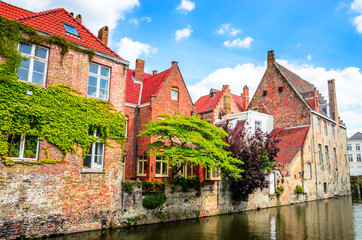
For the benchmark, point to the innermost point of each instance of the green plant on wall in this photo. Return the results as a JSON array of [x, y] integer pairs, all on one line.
[[189, 182], [154, 201], [299, 189], [279, 190]]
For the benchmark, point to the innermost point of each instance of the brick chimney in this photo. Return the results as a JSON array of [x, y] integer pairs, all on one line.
[[79, 18], [174, 63], [245, 96], [139, 72], [154, 72], [271, 57], [71, 13], [103, 34], [333, 110]]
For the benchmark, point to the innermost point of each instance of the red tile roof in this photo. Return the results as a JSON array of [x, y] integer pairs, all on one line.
[[51, 22], [291, 141], [151, 86]]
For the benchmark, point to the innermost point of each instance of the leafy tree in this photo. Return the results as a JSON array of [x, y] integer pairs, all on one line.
[[258, 152], [185, 140]]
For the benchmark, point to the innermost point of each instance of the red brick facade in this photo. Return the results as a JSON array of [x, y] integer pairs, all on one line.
[[155, 100]]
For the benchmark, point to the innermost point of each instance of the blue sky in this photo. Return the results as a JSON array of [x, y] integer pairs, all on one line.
[[226, 42]]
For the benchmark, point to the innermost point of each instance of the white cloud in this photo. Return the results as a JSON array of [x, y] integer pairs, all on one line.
[[137, 21], [348, 85], [186, 6], [183, 33], [356, 6], [146, 19], [245, 43], [226, 29], [95, 14], [309, 57], [131, 50]]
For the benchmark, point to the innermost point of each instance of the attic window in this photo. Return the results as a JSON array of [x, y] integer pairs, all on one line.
[[70, 29], [174, 93], [212, 93], [280, 89], [264, 93], [208, 107]]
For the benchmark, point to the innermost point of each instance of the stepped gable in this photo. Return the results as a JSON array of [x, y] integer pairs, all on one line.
[[356, 136], [291, 141], [51, 22]]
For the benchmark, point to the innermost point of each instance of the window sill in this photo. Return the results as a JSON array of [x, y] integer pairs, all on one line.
[[104, 100], [91, 172], [141, 175], [161, 176], [23, 160]]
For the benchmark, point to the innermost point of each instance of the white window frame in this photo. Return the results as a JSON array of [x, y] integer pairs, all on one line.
[[31, 58], [163, 165], [22, 149], [126, 129], [309, 170], [175, 93], [212, 174], [98, 76], [358, 157], [94, 167], [258, 125], [349, 147], [186, 170], [142, 162], [350, 157], [358, 147]]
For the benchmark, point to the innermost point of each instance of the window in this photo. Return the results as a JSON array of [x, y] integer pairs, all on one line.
[[325, 187], [34, 65], [23, 147], [350, 157], [335, 157], [264, 93], [358, 147], [124, 157], [349, 147], [142, 165], [161, 167], [309, 170], [358, 157], [319, 125], [192, 113], [98, 81], [70, 29], [327, 155], [257, 125], [280, 89], [320, 154], [212, 174], [174, 93], [126, 129], [325, 127], [94, 159], [187, 170]]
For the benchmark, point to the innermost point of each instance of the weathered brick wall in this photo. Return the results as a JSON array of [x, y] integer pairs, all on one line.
[[287, 108]]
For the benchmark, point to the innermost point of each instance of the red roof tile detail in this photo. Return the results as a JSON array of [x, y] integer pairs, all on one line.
[[51, 22], [291, 141], [151, 86], [12, 12]]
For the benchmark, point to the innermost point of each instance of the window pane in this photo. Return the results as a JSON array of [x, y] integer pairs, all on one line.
[[87, 163], [14, 146], [92, 91], [23, 74], [70, 29], [103, 83], [99, 149], [30, 147], [25, 63], [140, 167], [158, 168], [92, 81], [41, 52], [105, 71], [98, 162], [93, 68], [25, 48], [39, 66], [37, 78], [103, 94], [164, 169]]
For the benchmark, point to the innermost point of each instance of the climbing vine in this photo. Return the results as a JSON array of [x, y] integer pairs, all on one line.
[[58, 114], [12, 32]]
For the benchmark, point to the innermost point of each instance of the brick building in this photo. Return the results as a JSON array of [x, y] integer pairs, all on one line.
[[147, 97], [78, 196], [216, 102], [314, 151]]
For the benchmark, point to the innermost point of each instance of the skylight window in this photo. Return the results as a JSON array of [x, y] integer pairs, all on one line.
[[70, 29]]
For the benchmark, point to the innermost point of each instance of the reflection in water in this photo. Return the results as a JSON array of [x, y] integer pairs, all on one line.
[[339, 218]]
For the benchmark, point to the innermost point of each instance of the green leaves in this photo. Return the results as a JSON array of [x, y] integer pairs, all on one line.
[[183, 139], [57, 114]]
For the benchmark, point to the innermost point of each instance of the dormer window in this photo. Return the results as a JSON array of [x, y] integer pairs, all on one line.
[[208, 107], [70, 29], [212, 93], [264, 93]]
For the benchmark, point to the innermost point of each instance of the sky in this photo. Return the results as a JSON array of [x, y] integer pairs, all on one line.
[[226, 42]]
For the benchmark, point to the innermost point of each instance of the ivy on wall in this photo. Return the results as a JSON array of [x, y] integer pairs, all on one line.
[[58, 113]]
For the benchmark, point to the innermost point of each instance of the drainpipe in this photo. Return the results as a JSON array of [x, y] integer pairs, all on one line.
[[137, 109], [315, 162]]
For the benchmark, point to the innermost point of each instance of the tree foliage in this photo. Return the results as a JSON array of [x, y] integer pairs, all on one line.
[[258, 152], [185, 140]]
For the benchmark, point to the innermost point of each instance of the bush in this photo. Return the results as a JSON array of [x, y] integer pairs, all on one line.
[[279, 191], [150, 186], [154, 201], [127, 186], [189, 182], [299, 189]]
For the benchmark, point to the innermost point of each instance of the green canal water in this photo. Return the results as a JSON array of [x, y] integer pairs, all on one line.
[[338, 218]]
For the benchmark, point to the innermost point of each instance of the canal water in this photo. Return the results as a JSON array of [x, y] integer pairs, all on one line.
[[338, 218]]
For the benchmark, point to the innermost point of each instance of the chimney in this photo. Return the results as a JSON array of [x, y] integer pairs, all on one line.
[[271, 57], [174, 63], [79, 18], [71, 13], [103, 34], [226, 98], [139, 72], [333, 111], [245, 95], [154, 72]]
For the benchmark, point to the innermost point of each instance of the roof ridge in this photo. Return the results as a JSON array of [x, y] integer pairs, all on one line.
[[16, 6], [38, 14]]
